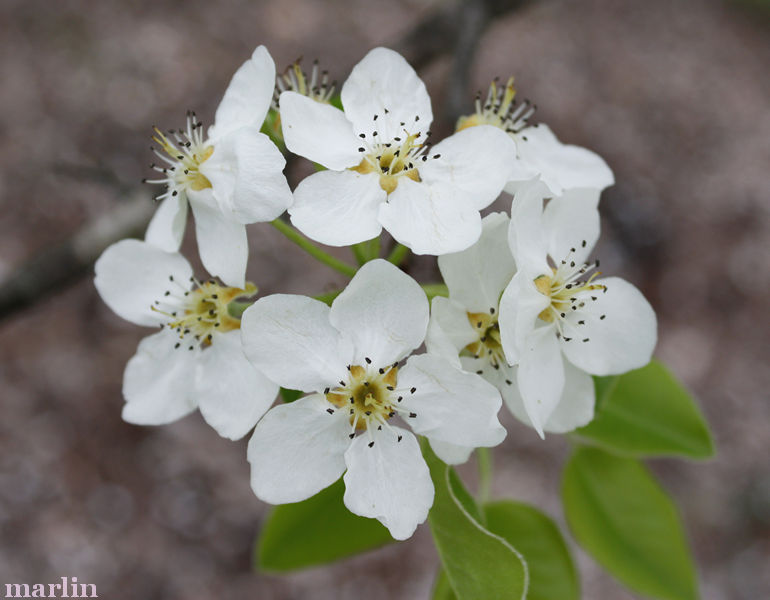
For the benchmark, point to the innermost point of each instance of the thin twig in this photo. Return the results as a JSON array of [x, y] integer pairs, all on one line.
[[474, 14], [61, 264]]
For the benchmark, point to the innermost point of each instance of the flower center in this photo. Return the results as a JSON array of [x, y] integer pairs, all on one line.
[[294, 79], [499, 109], [488, 345], [182, 152], [568, 292], [197, 313], [393, 156], [370, 396]]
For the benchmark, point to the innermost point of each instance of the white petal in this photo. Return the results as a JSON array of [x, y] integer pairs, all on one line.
[[451, 454], [297, 450], [383, 311], [389, 481], [526, 236], [476, 161], [246, 172], [569, 220], [248, 96], [158, 383], [319, 132], [561, 166], [541, 375], [232, 394], [430, 219], [575, 407], [166, 229], [623, 340], [450, 404], [481, 366], [131, 275], [522, 173], [338, 208], [384, 80], [290, 340], [477, 276], [222, 241], [449, 330], [520, 305]]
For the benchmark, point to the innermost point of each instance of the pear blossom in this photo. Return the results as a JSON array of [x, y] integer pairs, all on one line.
[[558, 322], [380, 171], [560, 166], [230, 177], [464, 327], [196, 359], [347, 358]]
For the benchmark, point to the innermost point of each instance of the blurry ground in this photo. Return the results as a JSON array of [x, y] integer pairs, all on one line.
[[676, 97]]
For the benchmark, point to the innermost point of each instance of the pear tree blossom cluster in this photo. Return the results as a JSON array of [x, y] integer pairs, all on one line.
[[525, 320]]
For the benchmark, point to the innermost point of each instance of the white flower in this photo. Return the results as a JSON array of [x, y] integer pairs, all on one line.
[[558, 323], [560, 166], [346, 357], [381, 173], [196, 359], [231, 177], [466, 324]]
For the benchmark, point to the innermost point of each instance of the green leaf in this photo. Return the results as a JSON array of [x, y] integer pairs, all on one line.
[[622, 517], [316, 531], [288, 395], [442, 589], [551, 571], [647, 413], [478, 563]]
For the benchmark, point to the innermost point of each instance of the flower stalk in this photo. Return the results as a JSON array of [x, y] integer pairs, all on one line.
[[313, 250], [398, 254]]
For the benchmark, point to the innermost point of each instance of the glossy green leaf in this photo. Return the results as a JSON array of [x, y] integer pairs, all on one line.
[[647, 413], [551, 570], [316, 531], [442, 589], [622, 517], [478, 563]]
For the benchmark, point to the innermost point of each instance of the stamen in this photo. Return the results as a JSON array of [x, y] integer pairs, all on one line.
[[370, 394], [183, 152], [317, 87], [197, 309], [500, 110]]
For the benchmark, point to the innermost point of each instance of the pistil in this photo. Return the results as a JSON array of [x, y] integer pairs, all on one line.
[[199, 312], [370, 396]]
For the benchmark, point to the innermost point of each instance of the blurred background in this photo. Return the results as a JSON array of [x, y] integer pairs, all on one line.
[[674, 95]]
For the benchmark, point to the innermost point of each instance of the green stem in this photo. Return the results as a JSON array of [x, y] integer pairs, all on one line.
[[328, 297], [434, 289], [313, 250], [366, 251], [484, 457], [398, 254]]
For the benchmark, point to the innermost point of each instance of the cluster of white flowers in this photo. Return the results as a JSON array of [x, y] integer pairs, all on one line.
[[527, 319]]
